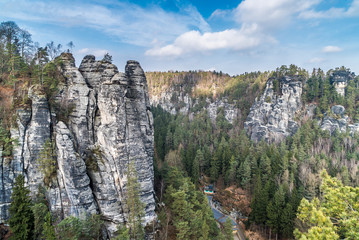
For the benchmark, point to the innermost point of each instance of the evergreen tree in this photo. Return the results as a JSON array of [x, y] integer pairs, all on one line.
[[47, 161], [265, 166], [204, 230], [196, 166], [107, 58], [215, 168], [21, 217], [245, 170], [259, 202], [40, 211], [232, 171], [48, 229], [134, 205], [275, 211], [287, 220], [73, 228], [122, 233], [227, 227]]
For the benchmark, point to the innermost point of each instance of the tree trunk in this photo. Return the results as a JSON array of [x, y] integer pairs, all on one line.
[[270, 233]]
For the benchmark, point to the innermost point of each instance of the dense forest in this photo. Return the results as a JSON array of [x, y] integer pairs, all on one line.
[[276, 176]]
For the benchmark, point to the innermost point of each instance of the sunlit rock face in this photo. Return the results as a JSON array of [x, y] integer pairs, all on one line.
[[337, 120], [108, 124], [272, 116]]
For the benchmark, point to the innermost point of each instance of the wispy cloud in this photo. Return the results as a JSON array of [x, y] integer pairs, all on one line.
[[333, 12], [331, 49], [126, 21], [271, 15]]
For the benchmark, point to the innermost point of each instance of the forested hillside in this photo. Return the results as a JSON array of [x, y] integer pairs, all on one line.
[[276, 176]]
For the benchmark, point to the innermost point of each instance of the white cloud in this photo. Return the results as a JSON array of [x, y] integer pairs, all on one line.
[[194, 41], [256, 19], [333, 12], [126, 21], [271, 15], [331, 49], [98, 53]]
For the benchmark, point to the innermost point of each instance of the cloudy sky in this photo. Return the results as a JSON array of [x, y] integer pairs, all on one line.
[[227, 35]]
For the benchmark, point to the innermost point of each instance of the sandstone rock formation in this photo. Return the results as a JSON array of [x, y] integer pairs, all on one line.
[[186, 104], [108, 124], [340, 79], [336, 120], [271, 117]]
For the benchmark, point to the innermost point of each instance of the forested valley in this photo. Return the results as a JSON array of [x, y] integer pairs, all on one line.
[[277, 177], [303, 186]]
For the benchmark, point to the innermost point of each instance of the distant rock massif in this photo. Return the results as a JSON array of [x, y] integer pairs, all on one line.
[[166, 101], [107, 124], [274, 115], [176, 93]]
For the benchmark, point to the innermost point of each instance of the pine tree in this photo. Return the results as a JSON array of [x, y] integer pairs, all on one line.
[[275, 211], [287, 220], [232, 171], [204, 230], [215, 168], [259, 202], [48, 229], [47, 161], [134, 205], [228, 232], [245, 171], [122, 233], [39, 210], [21, 217], [265, 166], [196, 164]]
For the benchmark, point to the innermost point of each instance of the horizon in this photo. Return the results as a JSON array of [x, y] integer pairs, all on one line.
[[175, 35]]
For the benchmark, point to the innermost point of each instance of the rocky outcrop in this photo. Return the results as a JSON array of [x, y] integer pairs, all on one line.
[[336, 120], [271, 117], [175, 102], [340, 80], [230, 110], [105, 125]]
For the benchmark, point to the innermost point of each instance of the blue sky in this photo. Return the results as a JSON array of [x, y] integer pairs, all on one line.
[[229, 36]]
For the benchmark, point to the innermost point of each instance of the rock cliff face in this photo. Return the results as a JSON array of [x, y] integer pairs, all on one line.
[[107, 124], [271, 117], [338, 121], [179, 102]]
